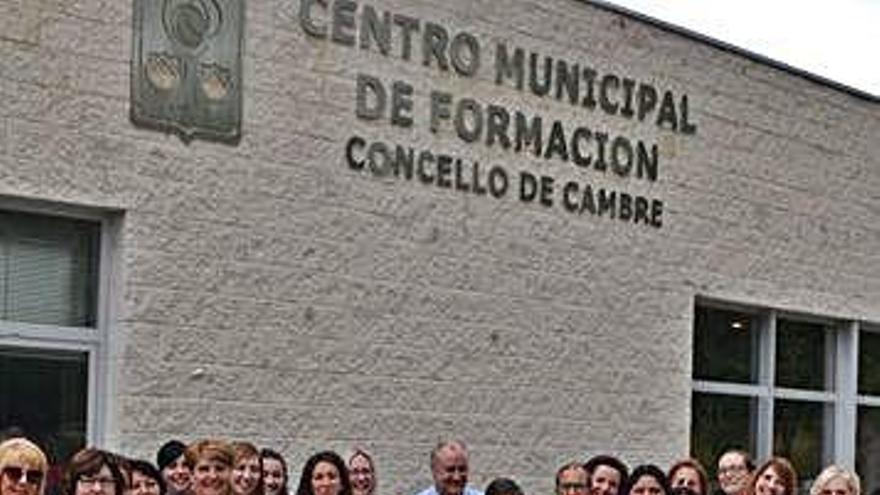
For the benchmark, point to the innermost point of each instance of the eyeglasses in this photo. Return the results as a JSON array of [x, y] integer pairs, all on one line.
[[572, 487], [85, 481], [30, 476], [731, 469]]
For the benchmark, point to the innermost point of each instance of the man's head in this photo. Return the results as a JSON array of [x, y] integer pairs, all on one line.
[[572, 479], [607, 474], [449, 466], [734, 468]]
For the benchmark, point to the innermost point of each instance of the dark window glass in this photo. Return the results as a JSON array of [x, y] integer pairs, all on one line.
[[800, 355], [725, 344], [43, 394], [48, 269], [719, 423], [868, 449], [869, 362], [799, 435]]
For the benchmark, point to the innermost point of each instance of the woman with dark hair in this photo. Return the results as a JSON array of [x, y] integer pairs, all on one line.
[[362, 473], [324, 473], [146, 479], [93, 472], [775, 477], [247, 474], [647, 479], [503, 486], [274, 472], [171, 462]]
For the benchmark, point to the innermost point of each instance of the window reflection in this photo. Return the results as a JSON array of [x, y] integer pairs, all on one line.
[[719, 423], [725, 344], [799, 435], [800, 355]]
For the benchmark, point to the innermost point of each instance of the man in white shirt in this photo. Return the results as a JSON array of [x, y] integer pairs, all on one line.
[[449, 467]]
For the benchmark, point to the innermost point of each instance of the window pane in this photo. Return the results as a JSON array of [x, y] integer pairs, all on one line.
[[725, 344], [868, 448], [719, 423], [799, 434], [44, 394], [869, 363], [800, 355], [49, 269]]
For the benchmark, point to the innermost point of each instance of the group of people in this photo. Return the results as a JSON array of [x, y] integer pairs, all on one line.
[[215, 467]]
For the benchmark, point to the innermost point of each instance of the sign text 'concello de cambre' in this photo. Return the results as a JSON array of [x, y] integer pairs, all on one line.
[[461, 54]]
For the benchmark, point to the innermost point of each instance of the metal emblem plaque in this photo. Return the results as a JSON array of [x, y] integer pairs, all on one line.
[[186, 67]]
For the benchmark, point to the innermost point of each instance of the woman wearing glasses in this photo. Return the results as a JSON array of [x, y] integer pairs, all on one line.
[[93, 472], [22, 468]]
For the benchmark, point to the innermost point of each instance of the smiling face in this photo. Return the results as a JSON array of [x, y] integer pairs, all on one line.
[[211, 477], [325, 479], [770, 482], [450, 470], [363, 479], [178, 476], [687, 477], [733, 473], [573, 481], [20, 478], [646, 485], [246, 475], [605, 480], [100, 483], [273, 475], [142, 484]]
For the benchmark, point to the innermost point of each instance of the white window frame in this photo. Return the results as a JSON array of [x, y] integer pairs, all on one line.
[[840, 441], [95, 342]]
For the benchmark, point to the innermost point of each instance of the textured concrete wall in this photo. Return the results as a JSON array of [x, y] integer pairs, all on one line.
[[267, 292]]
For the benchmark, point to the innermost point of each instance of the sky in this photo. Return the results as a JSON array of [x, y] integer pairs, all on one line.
[[836, 39]]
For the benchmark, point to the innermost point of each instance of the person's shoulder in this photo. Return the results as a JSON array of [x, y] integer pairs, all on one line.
[[469, 490], [431, 490]]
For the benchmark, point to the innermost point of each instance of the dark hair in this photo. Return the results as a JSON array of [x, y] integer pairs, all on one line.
[[610, 461], [271, 454], [169, 452], [305, 479], [88, 462], [784, 469], [503, 486], [647, 470], [147, 469]]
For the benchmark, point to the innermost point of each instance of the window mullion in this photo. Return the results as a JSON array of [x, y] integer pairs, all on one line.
[[845, 408], [766, 377]]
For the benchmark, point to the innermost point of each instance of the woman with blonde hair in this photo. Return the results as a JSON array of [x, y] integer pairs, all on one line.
[[836, 480], [23, 468]]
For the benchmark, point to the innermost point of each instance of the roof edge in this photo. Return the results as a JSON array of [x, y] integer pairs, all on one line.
[[730, 48]]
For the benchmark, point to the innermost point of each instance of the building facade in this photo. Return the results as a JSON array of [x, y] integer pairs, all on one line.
[[549, 229]]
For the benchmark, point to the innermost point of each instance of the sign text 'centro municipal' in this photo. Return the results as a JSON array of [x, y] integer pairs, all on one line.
[[461, 55]]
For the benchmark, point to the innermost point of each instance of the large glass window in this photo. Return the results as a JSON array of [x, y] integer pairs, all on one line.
[[868, 422], [774, 383], [49, 328]]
